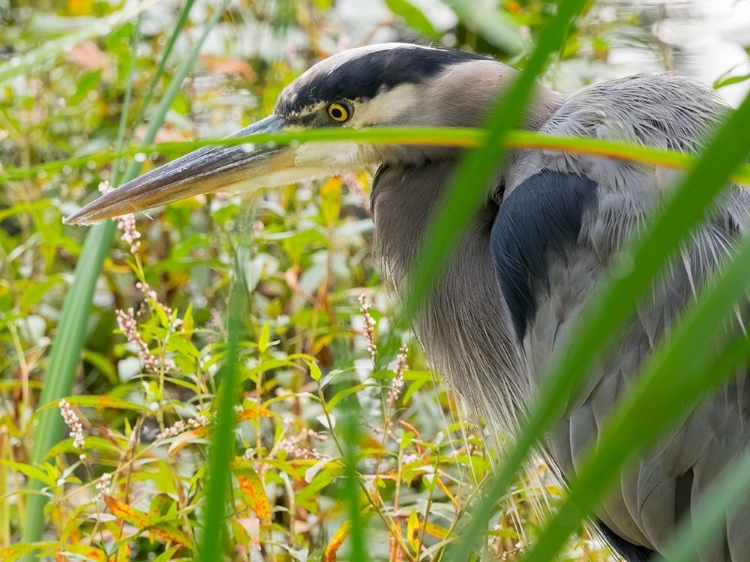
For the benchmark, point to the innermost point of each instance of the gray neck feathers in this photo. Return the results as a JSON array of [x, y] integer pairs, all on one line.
[[464, 327]]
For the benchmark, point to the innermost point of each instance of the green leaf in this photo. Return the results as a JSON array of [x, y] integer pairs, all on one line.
[[414, 17], [30, 472], [490, 22], [265, 337], [98, 402], [315, 372]]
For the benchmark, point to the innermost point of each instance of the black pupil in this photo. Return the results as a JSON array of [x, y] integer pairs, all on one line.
[[336, 113]]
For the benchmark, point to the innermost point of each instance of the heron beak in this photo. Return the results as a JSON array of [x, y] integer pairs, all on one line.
[[204, 171]]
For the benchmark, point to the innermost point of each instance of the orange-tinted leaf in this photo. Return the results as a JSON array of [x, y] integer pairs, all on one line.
[[447, 492], [187, 438], [144, 521], [254, 412], [228, 65], [254, 492], [435, 530], [329, 555], [79, 550], [17, 550]]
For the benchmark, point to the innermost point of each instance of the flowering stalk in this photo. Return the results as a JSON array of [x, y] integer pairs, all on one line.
[[398, 382], [369, 328], [74, 424]]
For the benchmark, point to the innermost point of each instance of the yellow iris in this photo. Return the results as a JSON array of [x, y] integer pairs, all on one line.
[[337, 112]]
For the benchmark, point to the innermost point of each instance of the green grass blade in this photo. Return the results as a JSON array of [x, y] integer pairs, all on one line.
[[351, 435], [604, 316], [222, 450], [442, 136], [122, 129], [680, 372], [181, 21], [67, 345], [50, 50]]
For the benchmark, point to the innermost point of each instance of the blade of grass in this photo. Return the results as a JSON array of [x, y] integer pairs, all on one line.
[[222, 450], [445, 136], [598, 323], [122, 129], [69, 341], [679, 373], [357, 537], [50, 50], [181, 21]]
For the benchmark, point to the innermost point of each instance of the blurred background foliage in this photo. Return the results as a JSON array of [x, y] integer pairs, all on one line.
[[317, 298]]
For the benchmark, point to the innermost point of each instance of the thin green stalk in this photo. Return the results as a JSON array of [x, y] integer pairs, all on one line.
[[181, 21], [222, 450], [70, 338], [357, 537], [438, 136]]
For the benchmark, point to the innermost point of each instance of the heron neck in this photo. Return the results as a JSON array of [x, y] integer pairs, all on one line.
[[464, 327]]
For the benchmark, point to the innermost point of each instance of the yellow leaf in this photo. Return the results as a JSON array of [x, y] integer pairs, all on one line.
[[80, 7], [329, 555], [435, 530], [188, 324], [362, 177], [265, 337], [412, 530], [330, 204]]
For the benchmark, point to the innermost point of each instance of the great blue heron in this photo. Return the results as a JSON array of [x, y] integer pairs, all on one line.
[[545, 234]]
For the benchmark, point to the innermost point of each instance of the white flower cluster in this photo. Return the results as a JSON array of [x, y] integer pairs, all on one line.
[[370, 322], [292, 445], [149, 293], [398, 382], [182, 425], [126, 223], [127, 323], [75, 426], [104, 485]]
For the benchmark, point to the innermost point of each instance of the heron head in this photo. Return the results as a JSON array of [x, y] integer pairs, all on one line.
[[391, 84]]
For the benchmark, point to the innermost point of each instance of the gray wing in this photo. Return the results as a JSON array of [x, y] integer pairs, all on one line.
[[562, 219]]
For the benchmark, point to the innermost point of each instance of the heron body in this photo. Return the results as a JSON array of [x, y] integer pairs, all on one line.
[[546, 236]]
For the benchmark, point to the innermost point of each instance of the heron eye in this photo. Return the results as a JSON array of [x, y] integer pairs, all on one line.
[[338, 112]]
